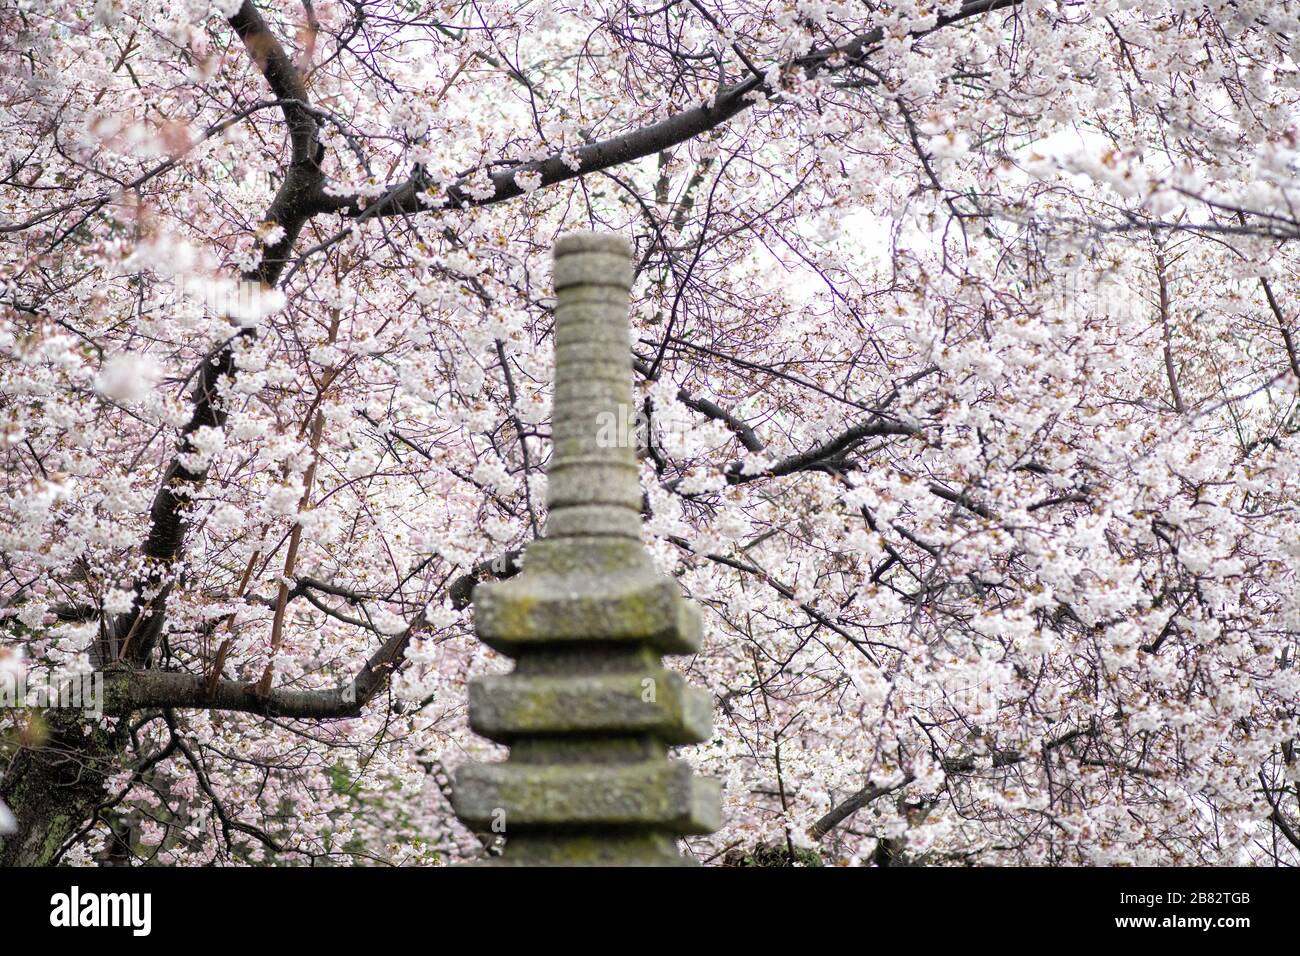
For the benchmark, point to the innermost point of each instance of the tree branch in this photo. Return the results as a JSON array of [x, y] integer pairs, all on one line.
[[416, 194], [134, 635], [130, 690], [1000, 758]]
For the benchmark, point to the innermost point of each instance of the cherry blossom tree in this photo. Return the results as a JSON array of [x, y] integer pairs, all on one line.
[[965, 346]]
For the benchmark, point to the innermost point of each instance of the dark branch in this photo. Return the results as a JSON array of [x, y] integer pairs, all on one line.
[[135, 634], [418, 193]]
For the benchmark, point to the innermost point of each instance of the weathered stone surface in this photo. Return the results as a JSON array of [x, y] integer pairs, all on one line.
[[586, 590], [592, 259], [608, 847], [665, 795], [589, 711], [655, 702]]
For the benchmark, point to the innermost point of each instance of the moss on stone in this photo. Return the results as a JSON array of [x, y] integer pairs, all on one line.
[[769, 855]]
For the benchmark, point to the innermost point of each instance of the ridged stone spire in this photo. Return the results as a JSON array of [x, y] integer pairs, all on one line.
[[589, 711]]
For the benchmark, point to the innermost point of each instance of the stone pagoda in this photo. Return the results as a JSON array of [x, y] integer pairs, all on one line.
[[589, 712]]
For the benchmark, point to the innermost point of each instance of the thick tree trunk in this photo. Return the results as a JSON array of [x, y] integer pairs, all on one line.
[[55, 789]]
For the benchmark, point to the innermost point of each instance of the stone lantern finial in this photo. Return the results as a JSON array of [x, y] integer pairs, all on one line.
[[589, 711]]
